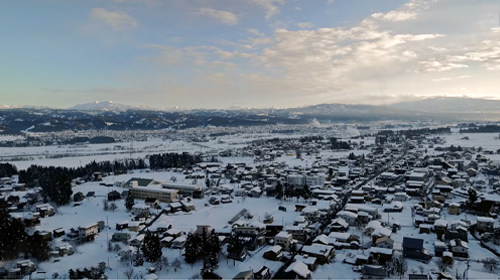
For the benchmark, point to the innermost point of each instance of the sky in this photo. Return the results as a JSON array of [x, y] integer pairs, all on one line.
[[246, 53]]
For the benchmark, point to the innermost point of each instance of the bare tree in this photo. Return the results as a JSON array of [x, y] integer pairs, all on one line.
[[105, 206], [129, 272], [113, 206], [421, 268], [176, 264], [117, 248], [442, 265], [491, 264], [400, 266]]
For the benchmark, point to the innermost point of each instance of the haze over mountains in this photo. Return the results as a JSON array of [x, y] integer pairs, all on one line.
[[115, 116]]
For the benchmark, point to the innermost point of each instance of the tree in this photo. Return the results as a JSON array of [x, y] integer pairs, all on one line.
[[442, 265], [176, 265], [161, 263], [191, 249], [105, 205], [137, 258], [129, 272], [113, 206], [151, 247], [38, 247], [491, 264], [400, 266], [213, 250], [56, 185], [129, 201], [472, 197], [13, 234]]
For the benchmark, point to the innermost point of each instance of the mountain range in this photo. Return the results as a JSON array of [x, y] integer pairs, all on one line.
[[115, 116]]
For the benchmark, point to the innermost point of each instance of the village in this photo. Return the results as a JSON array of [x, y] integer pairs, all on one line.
[[380, 206]]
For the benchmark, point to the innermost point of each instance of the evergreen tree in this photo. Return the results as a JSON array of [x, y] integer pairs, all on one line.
[[13, 234], [151, 247], [191, 249], [39, 247], [214, 248], [129, 201]]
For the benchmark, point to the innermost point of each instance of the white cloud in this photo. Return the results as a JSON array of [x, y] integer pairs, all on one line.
[[305, 25], [222, 16], [297, 8], [441, 79], [270, 6], [256, 32], [395, 16], [330, 1], [438, 66], [117, 20]]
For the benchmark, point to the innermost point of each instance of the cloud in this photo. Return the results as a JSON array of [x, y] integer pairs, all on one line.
[[222, 16], [117, 20], [270, 6], [150, 3], [297, 8], [330, 1], [441, 79], [395, 16], [256, 32], [305, 25], [438, 66]]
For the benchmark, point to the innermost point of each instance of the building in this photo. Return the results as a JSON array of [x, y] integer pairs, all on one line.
[[298, 270], [485, 224], [163, 195], [454, 208], [140, 210], [283, 239], [414, 248], [140, 182], [274, 254], [88, 233], [296, 180], [194, 191], [323, 253]]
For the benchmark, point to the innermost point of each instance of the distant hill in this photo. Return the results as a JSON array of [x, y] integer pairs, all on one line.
[[114, 116]]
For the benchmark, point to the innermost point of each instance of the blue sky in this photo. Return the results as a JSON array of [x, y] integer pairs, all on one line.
[[247, 53]]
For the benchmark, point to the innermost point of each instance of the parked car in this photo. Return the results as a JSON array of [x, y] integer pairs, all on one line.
[[214, 200], [226, 199]]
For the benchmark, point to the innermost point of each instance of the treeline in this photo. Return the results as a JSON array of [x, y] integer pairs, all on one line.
[[490, 128], [7, 170], [14, 239], [173, 160], [339, 145], [311, 138], [93, 140], [416, 132]]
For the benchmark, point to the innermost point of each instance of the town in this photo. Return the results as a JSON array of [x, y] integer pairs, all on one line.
[[316, 204]]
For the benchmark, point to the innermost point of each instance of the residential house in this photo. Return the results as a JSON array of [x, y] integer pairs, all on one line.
[[114, 195], [79, 196], [283, 239], [187, 205], [373, 272], [179, 242], [299, 233], [298, 270], [262, 273], [88, 233], [454, 208], [485, 224], [244, 275], [134, 226], [203, 228], [349, 217], [414, 248], [152, 202], [166, 241], [137, 241], [459, 248], [65, 250], [310, 261], [439, 248], [45, 210], [384, 242], [121, 236], [323, 253], [339, 225], [382, 255], [311, 213], [275, 253], [239, 253], [447, 257], [58, 232], [380, 232], [122, 225]]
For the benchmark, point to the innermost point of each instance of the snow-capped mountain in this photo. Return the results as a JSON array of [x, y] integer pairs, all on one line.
[[101, 106]]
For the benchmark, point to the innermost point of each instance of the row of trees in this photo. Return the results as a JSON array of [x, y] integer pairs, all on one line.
[[172, 160], [490, 128], [14, 239], [206, 247], [339, 145]]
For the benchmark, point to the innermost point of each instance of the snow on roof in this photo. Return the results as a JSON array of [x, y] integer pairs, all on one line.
[[441, 223], [382, 232], [341, 236], [309, 209], [283, 234], [485, 220], [440, 244], [347, 214], [340, 221], [276, 249], [308, 260], [180, 239], [167, 239], [317, 249], [447, 254], [377, 250], [373, 225], [300, 268]]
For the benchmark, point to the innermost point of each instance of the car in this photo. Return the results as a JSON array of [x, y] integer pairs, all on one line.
[[226, 199], [214, 200]]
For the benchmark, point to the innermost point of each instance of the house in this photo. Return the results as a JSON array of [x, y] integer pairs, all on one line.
[[357, 260], [311, 262], [262, 273], [447, 257], [323, 253], [311, 213], [114, 195], [45, 210], [203, 228], [299, 233], [239, 253], [187, 205], [58, 232], [133, 226], [372, 226], [425, 228], [439, 248], [440, 227], [283, 239], [65, 250], [395, 206], [137, 241], [88, 233], [454, 208], [152, 202], [298, 270], [349, 217], [179, 242], [414, 248], [90, 194], [338, 225], [373, 272], [176, 233], [382, 255], [121, 236], [140, 210], [77, 197], [244, 275], [485, 224], [384, 242], [275, 253], [380, 232], [459, 248], [211, 275], [166, 241]]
